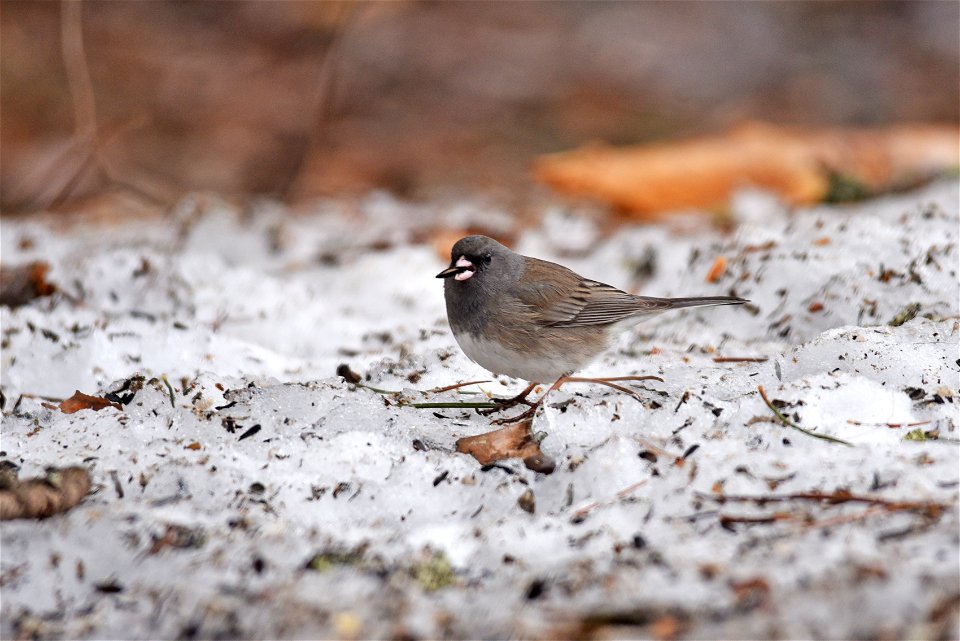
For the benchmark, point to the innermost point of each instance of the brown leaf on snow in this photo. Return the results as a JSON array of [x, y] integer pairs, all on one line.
[[717, 270], [513, 441], [20, 285], [80, 401], [38, 498], [798, 164], [750, 593]]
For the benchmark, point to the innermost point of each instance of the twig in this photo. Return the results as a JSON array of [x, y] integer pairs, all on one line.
[[580, 513], [173, 402], [726, 520], [740, 359], [843, 519], [786, 421], [452, 404], [78, 73], [439, 404], [833, 498], [439, 390], [377, 389], [893, 426], [322, 97], [630, 488]]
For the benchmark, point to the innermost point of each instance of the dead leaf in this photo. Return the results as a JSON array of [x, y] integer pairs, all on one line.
[[750, 593], [80, 401], [192, 446], [513, 441], [442, 240], [666, 627], [717, 270], [20, 285], [38, 498], [795, 163]]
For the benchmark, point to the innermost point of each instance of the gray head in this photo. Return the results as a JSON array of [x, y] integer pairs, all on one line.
[[480, 271], [478, 260]]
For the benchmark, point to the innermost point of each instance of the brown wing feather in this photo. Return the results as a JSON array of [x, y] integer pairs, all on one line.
[[558, 297], [607, 305], [551, 293], [553, 296]]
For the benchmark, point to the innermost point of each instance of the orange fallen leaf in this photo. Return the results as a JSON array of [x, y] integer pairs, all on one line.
[[80, 401], [192, 446], [751, 592], [820, 242], [666, 627], [795, 163], [38, 498], [513, 441], [19, 285], [717, 270], [767, 246], [815, 307], [441, 240]]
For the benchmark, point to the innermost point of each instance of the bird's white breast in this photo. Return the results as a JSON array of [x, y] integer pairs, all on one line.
[[500, 359]]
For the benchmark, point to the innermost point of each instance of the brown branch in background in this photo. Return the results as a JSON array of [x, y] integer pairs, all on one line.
[[78, 74], [84, 102], [83, 157], [740, 359], [41, 497], [323, 95]]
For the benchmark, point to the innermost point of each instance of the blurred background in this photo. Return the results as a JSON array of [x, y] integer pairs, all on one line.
[[297, 100]]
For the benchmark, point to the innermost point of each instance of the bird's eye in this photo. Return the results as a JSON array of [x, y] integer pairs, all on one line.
[[487, 258]]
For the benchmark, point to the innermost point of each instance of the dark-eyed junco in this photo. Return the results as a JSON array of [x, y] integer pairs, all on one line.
[[536, 320]]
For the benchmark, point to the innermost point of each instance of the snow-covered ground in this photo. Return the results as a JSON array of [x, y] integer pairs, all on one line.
[[349, 514]]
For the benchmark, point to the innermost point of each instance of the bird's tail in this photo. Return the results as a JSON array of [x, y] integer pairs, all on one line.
[[698, 301]]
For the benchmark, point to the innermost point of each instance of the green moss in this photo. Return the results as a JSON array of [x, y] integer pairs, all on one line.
[[921, 435], [434, 573], [843, 188], [325, 561], [905, 315]]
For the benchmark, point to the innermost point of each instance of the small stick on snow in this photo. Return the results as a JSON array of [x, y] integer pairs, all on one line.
[[439, 390], [786, 421]]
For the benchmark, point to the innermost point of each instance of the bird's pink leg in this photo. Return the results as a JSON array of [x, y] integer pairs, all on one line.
[[506, 403], [609, 382]]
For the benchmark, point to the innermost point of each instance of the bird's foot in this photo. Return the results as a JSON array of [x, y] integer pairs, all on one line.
[[507, 403], [534, 406], [519, 418]]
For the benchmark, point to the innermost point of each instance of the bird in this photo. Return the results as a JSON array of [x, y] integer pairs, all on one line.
[[535, 320]]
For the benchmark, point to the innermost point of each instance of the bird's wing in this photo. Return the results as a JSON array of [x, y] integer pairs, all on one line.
[[554, 296], [607, 305]]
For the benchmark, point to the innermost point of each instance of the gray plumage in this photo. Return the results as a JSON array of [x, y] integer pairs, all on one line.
[[536, 320]]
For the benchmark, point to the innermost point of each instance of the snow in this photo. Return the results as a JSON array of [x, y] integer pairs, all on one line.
[[248, 314]]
